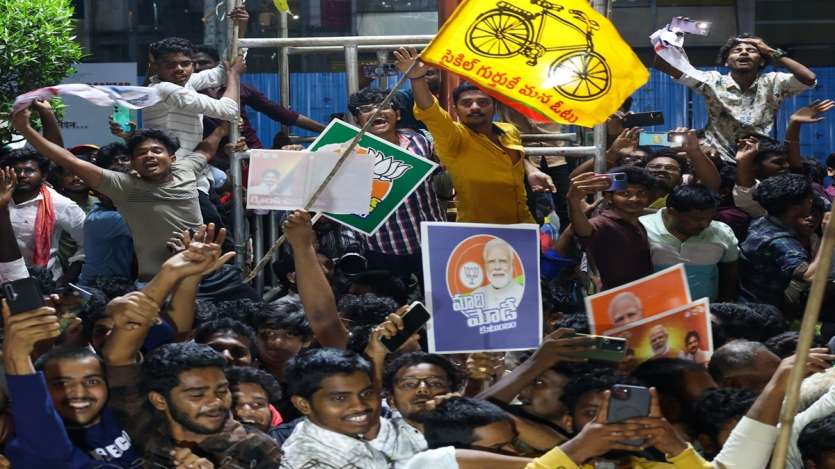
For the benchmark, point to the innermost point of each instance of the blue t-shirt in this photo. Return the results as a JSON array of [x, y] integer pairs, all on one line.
[[42, 440], [108, 246]]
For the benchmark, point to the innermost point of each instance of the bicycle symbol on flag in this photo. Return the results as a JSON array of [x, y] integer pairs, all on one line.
[[506, 31]]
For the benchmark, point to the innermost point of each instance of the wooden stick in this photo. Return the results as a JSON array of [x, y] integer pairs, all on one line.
[[804, 342], [348, 150]]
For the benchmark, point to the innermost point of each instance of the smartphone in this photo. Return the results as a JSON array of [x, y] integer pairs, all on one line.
[[619, 182], [606, 348], [121, 116], [686, 25], [23, 295], [676, 139], [659, 139], [643, 119], [627, 402], [414, 319]]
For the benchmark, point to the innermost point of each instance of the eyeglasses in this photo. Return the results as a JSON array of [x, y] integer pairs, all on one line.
[[410, 384], [368, 108], [666, 167]]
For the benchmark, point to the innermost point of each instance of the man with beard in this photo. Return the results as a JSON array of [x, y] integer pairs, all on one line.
[[486, 160], [161, 200], [693, 349], [685, 164], [745, 101], [40, 215], [62, 416], [503, 289], [686, 232]]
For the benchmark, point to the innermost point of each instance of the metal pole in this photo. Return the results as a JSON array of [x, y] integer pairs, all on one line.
[[259, 250], [600, 129], [804, 343], [569, 137], [335, 41], [362, 47], [564, 151], [272, 226], [352, 72], [235, 163], [284, 64], [382, 59]]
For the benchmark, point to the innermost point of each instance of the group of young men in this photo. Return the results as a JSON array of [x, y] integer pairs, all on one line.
[[163, 357]]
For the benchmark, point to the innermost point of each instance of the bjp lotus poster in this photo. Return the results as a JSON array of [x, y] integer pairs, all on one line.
[[482, 286], [683, 332], [396, 174], [654, 294]]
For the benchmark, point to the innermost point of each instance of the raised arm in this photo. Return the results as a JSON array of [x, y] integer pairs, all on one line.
[[51, 130], [810, 114], [628, 138], [420, 89], [703, 168], [9, 250], [581, 186], [663, 66], [90, 173], [800, 71], [314, 290]]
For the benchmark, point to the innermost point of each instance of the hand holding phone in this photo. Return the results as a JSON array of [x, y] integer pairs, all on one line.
[[619, 182], [681, 24], [413, 320], [627, 402], [121, 116], [23, 295], [601, 347]]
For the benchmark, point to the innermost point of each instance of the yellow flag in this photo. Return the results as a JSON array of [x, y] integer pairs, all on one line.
[[560, 58], [281, 5]]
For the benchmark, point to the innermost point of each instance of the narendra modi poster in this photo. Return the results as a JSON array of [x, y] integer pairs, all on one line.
[[482, 286]]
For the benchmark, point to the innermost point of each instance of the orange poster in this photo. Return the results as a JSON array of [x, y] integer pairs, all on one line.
[[643, 298], [684, 332]]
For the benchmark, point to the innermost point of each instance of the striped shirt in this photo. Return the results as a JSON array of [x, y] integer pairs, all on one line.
[[400, 234], [182, 108]]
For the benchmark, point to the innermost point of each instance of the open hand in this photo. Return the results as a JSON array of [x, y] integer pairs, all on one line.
[[587, 184], [407, 60], [8, 181], [812, 113]]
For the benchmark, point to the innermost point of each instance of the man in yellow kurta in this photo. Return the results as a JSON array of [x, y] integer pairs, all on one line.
[[484, 158]]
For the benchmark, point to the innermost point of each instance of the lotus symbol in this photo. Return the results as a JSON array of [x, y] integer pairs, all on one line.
[[386, 171]]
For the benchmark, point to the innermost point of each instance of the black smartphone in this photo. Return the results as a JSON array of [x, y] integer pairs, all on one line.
[[628, 402], [643, 119], [606, 348], [23, 295], [416, 316]]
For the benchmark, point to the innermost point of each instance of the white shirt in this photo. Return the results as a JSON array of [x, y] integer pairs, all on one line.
[[824, 407], [69, 217], [181, 111], [749, 446]]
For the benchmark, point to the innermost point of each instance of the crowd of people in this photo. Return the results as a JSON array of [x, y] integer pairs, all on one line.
[[150, 351]]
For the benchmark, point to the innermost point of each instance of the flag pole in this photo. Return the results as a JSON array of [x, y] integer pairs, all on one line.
[[347, 151], [804, 343]]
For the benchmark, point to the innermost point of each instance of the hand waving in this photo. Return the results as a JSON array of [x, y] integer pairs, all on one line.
[[8, 181], [812, 113]]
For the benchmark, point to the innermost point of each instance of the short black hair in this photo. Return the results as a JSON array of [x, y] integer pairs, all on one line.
[[162, 367], [306, 371], [717, 407], [169, 141], [637, 176], [20, 155], [663, 152], [751, 321], [382, 283], [687, 197], [247, 374], [577, 321], [366, 309], [778, 193], [367, 96], [66, 352], [830, 161], [171, 45], [454, 421], [732, 356], [114, 287], [817, 438], [211, 51], [727, 176], [464, 87], [456, 377], [109, 152], [813, 170], [784, 345], [732, 42], [593, 380], [287, 315], [667, 375], [241, 309], [766, 147], [211, 328]]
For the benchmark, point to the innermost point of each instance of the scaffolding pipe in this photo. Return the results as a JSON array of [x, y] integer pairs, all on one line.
[[574, 152], [363, 48], [352, 68], [284, 65], [239, 230], [335, 41], [600, 132], [567, 137]]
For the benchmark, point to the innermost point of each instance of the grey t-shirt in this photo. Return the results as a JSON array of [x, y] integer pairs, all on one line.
[[153, 211]]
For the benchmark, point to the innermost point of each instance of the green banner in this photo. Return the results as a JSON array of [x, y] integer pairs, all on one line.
[[397, 173]]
